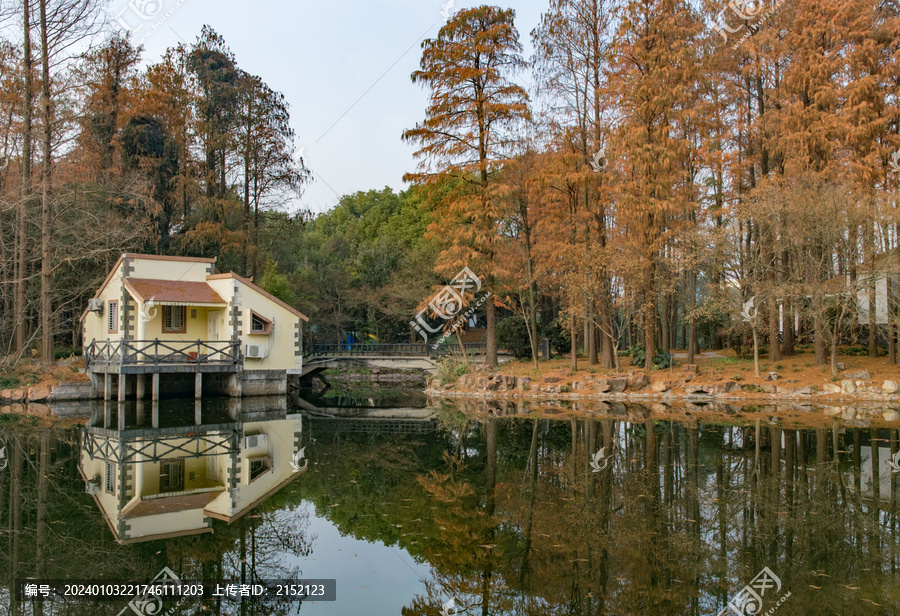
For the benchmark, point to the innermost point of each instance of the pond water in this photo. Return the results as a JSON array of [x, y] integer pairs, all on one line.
[[416, 507]]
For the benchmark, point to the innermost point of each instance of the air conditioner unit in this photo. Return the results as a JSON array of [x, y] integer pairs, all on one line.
[[95, 305], [255, 351], [255, 441]]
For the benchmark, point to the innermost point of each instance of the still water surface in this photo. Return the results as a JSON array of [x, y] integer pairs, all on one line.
[[408, 506]]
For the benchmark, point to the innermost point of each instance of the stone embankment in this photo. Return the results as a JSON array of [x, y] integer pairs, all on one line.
[[667, 386]]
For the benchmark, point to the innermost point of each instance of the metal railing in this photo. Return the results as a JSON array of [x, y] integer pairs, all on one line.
[[155, 352], [415, 349]]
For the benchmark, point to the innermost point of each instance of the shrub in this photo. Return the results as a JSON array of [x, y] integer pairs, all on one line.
[[512, 335], [9, 382], [450, 370], [660, 360], [560, 337]]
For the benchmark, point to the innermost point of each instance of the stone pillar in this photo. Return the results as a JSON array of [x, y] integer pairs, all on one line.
[[198, 412], [198, 385], [154, 414], [140, 387], [120, 416], [122, 380], [107, 386], [107, 415], [155, 387], [235, 387], [140, 408]]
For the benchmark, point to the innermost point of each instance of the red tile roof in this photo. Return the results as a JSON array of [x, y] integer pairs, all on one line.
[[173, 291]]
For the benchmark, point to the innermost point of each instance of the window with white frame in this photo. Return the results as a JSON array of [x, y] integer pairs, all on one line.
[[259, 324], [173, 319]]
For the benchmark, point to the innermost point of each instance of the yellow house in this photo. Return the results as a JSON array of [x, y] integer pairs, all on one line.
[[157, 483], [202, 331]]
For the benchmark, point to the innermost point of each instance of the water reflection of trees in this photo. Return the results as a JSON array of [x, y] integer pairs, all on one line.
[[684, 516], [53, 530]]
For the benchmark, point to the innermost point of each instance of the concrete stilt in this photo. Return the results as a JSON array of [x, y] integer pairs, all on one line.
[[107, 386], [107, 414], [155, 387], [154, 414], [198, 412], [140, 410], [122, 380], [120, 416], [198, 385], [140, 387]]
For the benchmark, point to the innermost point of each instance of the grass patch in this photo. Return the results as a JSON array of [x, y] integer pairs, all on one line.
[[9, 382]]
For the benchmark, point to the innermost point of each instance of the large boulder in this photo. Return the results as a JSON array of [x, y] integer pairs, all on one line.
[[698, 390], [848, 387], [551, 379], [617, 385], [831, 388], [660, 387], [39, 393], [890, 387], [601, 386], [637, 382], [862, 375], [890, 415], [13, 395]]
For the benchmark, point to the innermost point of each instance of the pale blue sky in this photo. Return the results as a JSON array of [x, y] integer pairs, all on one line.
[[323, 56]]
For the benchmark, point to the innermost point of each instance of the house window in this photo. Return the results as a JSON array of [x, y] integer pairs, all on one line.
[[110, 478], [171, 476], [259, 325], [113, 317], [258, 466], [173, 322]]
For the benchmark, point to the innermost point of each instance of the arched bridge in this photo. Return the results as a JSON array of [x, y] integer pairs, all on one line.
[[402, 356]]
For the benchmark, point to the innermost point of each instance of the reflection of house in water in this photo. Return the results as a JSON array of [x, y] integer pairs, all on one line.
[[160, 482]]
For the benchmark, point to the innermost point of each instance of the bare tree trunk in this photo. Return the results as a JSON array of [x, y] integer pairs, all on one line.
[[491, 313], [665, 335], [22, 210], [574, 345], [692, 306], [819, 331], [46, 211], [870, 284]]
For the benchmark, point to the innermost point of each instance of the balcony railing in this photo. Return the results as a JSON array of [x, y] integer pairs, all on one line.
[[156, 352]]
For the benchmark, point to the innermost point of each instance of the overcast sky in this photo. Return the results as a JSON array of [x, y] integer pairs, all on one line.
[[324, 55]]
